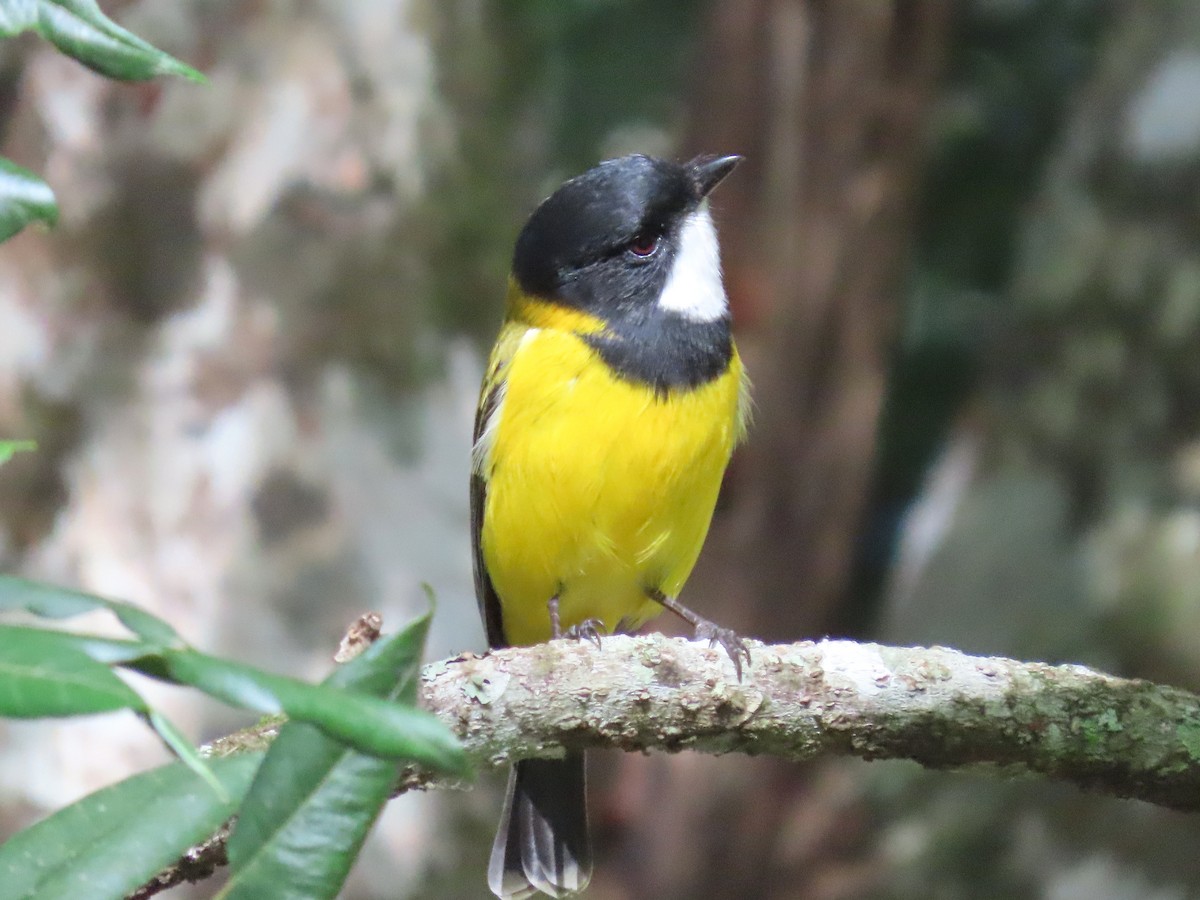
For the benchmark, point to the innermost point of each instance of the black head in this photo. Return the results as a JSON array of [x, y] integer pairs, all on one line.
[[607, 241]]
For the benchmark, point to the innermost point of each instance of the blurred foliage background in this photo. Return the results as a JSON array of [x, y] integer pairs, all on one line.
[[963, 260]]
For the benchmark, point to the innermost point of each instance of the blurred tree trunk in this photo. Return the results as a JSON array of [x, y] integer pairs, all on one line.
[[829, 102]]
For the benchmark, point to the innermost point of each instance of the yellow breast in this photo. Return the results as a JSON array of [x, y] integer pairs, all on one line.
[[597, 490]]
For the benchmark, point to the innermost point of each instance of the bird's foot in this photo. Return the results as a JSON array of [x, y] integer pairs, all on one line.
[[587, 630], [706, 630], [727, 638]]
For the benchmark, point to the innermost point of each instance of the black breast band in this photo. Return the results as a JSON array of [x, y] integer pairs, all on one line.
[[665, 350]]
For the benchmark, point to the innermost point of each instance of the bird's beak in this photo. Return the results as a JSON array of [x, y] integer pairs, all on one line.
[[708, 173]]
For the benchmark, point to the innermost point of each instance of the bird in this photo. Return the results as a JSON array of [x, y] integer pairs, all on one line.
[[611, 403]]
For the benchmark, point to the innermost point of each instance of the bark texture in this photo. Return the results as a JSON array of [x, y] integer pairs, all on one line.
[[936, 706]]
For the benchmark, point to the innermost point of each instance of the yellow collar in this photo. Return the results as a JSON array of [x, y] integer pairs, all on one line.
[[537, 312]]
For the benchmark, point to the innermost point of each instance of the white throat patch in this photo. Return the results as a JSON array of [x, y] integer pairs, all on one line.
[[694, 289]]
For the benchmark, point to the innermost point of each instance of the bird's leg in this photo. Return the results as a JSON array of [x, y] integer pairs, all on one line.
[[587, 630], [706, 630]]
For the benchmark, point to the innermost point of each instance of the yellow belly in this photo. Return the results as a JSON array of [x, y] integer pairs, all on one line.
[[598, 491]]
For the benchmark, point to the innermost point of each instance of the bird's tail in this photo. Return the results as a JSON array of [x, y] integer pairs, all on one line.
[[542, 843]]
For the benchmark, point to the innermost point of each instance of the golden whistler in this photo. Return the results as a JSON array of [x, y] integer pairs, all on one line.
[[613, 399]]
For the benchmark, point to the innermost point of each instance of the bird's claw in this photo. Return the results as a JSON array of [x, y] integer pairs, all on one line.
[[587, 630], [727, 638]]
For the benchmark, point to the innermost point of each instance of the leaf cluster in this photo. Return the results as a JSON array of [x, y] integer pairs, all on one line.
[[302, 808]]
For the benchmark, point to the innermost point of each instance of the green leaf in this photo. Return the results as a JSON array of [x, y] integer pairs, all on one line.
[[115, 840], [24, 198], [314, 848], [314, 799], [61, 603], [17, 16], [369, 724], [103, 650], [79, 29], [185, 750], [44, 673], [9, 448]]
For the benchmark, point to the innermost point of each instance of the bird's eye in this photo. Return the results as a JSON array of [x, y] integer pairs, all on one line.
[[644, 245]]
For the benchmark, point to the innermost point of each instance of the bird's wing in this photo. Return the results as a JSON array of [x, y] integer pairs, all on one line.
[[487, 419]]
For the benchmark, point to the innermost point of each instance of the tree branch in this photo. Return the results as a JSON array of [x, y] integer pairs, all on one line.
[[936, 706]]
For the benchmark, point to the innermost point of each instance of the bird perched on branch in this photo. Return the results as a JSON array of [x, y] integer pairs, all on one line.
[[612, 401]]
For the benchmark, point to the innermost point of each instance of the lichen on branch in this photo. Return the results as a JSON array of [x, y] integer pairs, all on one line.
[[936, 706]]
